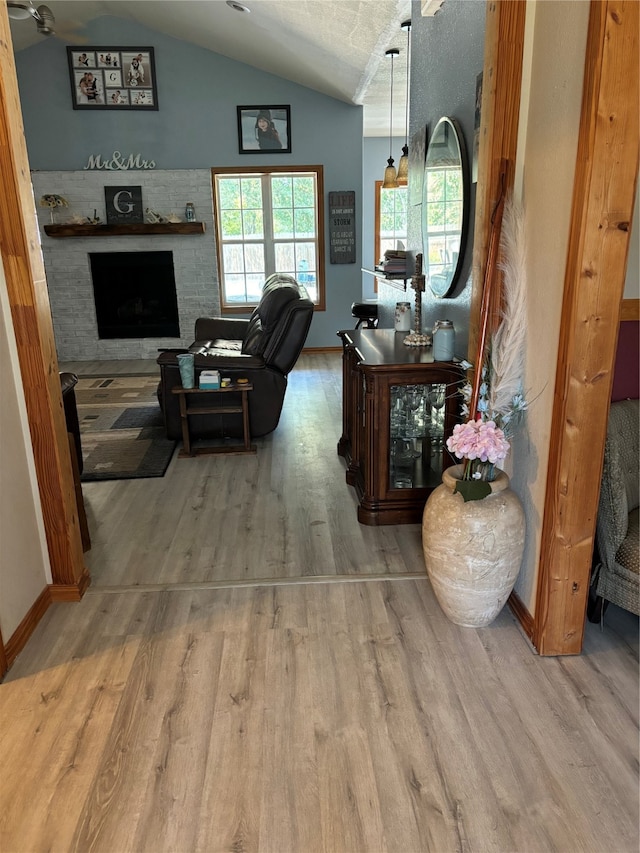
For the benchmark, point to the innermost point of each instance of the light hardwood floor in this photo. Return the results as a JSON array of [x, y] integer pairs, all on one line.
[[341, 714], [285, 512]]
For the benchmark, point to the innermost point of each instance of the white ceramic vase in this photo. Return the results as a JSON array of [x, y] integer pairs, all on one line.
[[472, 549]]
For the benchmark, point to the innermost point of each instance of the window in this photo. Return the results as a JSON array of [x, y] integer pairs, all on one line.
[[268, 221], [444, 217], [390, 219]]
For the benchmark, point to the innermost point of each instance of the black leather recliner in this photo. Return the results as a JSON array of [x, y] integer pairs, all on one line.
[[262, 349]]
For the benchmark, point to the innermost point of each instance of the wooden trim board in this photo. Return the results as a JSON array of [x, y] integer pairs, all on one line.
[[517, 607], [31, 316], [27, 626], [630, 309], [4, 663], [603, 198], [70, 592]]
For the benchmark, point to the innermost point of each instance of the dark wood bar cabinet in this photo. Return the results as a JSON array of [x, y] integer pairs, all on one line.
[[399, 407]]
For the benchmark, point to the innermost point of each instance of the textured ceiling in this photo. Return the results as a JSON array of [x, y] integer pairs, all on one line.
[[336, 47]]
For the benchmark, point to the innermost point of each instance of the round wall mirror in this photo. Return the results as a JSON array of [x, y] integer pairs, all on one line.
[[444, 207]]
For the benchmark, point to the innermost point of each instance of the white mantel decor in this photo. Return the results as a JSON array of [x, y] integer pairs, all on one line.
[[118, 162]]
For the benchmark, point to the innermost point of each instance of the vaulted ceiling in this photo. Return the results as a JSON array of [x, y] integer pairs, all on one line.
[[336, 47]]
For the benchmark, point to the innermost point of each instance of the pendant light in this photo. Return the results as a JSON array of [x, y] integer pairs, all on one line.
[[390, 177], [403, 165]]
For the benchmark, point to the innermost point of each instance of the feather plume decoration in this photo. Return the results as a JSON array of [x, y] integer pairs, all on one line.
[[506, 358], [483, 441]]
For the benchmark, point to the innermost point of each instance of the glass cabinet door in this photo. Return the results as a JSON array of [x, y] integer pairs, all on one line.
[[416, 435]]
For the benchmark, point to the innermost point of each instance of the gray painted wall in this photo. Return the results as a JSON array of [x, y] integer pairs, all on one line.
[[195, 127], [447, 54]]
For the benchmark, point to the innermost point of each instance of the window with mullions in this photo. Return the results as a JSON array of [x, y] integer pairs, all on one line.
[[443, 217], [268, 221], [390, 219]]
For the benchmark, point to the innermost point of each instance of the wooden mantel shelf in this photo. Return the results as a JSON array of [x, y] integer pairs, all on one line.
[[138, 229]]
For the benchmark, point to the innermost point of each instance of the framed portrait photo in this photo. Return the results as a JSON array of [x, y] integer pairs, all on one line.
[[112, 78], [264, 130]]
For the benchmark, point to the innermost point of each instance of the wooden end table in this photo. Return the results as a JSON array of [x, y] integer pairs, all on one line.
[[186, 411]]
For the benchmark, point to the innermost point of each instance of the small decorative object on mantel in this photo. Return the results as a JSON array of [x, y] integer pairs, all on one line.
[[123, 204], [417, 338], [53, 202], [473, 526], [153, 217]]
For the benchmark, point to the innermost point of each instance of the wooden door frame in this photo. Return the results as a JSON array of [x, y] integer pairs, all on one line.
[[589, 318], [601, 216], [33, 326], [607, 157]]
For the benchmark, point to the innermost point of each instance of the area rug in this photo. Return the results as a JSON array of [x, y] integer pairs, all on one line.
[[121, 428]]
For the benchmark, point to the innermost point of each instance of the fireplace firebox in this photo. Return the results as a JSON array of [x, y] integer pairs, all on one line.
[[135, 294]]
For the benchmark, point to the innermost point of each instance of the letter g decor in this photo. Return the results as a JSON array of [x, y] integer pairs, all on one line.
[[123, 204]]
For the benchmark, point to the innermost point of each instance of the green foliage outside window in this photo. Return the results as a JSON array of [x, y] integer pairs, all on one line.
[[393, 213], [251, 193], [262, 221], [229, 193], [304, 192]]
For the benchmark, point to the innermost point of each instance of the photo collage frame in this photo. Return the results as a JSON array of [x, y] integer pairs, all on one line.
[[113, 78]]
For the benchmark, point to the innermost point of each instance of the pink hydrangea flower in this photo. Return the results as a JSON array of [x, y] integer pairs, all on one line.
[[481, 440]]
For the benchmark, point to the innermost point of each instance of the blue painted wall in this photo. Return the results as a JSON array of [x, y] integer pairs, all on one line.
[[195, 127]]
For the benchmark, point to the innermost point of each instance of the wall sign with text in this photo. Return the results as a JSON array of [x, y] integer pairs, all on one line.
[[124, 205], [342, 227]]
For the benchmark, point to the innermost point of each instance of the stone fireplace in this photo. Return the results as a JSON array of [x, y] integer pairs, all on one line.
[[68, 265]]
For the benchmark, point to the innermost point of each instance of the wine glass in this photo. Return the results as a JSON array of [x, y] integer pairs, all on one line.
[[402, 464], [398, 413], [436, 397], [416, 416]]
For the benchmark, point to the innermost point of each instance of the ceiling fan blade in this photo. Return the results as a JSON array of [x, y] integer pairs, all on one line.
[[72, 34]]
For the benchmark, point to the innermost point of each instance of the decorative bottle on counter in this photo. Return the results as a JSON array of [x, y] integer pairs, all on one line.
[[444, 336], [190, 212], [403, 316]]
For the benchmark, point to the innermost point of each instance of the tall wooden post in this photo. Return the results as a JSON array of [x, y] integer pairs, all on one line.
[[31, 315], [603, 198]]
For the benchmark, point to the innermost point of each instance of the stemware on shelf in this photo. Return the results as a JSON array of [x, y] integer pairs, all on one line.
[[436, 396]]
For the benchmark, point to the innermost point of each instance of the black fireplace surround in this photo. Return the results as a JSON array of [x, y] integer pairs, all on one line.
[[135, 294]]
